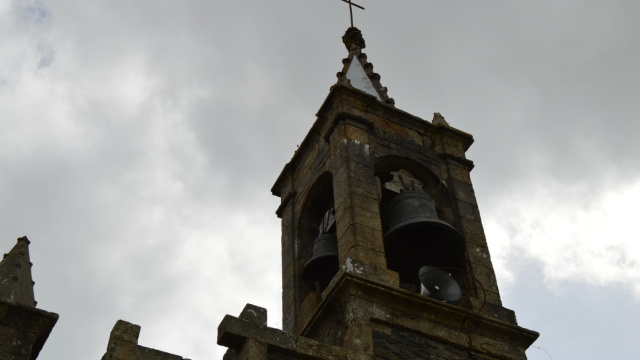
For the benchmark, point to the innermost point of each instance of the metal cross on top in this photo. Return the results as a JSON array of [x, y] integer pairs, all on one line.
[[351, 9]]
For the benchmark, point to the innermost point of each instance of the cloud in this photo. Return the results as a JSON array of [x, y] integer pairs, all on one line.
[[577, 234], [140, 140]]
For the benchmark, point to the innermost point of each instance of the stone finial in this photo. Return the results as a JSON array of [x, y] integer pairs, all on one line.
[[255, 314], [353, 38], [439, 120], [126, 331], [16, 285]]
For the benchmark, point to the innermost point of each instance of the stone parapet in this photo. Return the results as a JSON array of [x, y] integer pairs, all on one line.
[[23, 330], [123, 345], [247, 339]]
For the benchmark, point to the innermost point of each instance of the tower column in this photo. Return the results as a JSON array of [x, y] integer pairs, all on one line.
[[359, 229]]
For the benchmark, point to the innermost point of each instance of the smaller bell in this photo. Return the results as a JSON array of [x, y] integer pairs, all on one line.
[[323, 265]]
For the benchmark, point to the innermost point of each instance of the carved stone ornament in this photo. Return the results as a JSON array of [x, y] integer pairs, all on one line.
[[353, 36], [403, 181]]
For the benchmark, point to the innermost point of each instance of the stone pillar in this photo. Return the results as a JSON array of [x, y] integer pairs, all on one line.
[[358, 224]]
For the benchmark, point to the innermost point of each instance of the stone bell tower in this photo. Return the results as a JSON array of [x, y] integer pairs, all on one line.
[[383, 250]]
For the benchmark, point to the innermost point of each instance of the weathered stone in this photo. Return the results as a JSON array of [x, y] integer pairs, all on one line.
[[253, 350], [401, 343], [255, 314], [23, 328], [479, 256], [363, 311], [460, 174], [468, 211], [464, 192], [473, 232], [357, 134], [453, 146], [123, 345], [16, 285], [233, 333]]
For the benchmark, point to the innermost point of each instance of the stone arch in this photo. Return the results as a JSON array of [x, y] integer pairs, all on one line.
[[440, 250], [433, 185], [318, 201]]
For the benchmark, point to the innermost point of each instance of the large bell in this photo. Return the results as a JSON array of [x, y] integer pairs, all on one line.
[[417, 237], [323, 265]]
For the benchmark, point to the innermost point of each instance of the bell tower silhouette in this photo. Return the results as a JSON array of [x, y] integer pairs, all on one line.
[[383, 250]]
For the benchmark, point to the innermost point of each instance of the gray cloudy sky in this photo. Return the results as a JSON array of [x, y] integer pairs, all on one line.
[[139, 141]]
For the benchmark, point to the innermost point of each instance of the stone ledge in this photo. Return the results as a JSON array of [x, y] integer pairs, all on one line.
[[234, 332], [123, 345], [26, 319], [413, 311]]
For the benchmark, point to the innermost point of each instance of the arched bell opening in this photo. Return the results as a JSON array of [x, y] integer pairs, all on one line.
[[417, 218], [317, 236]]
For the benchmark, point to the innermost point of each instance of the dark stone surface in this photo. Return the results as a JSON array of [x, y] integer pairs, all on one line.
[[123, 345], [255, 314], [16, 285], [403, 344], [353, 36], [23, 330], [279, 355], [359, 141]]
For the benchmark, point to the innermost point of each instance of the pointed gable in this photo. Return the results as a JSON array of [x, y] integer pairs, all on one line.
[[357, 71], [16, 285], [360, 80]]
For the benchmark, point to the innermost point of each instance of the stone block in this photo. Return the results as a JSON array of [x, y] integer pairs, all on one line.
[[234, 332], [357, 338], [125, 331], [252, 350], [402, 343], [24, 330], [359, 152], [427, 142], [360, 172], [359, 199], [374, 272], [352, 215], [348, 188], [15, 343], [479, 256], [394, 132], [473, 232], [354, 133], [453, 146], [364, 254], [307, 309], [459, 173], [123, 345], [468, 211], [308, 160], [486, 276], [369, 218], [496, 346], [357, 234], [463, 191], [496, 311], [255, 314], [287, 255]]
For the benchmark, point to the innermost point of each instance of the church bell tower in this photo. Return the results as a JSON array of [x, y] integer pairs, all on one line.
[[383, 251]]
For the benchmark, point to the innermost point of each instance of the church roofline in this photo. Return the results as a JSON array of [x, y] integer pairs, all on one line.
[[325, 123]]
